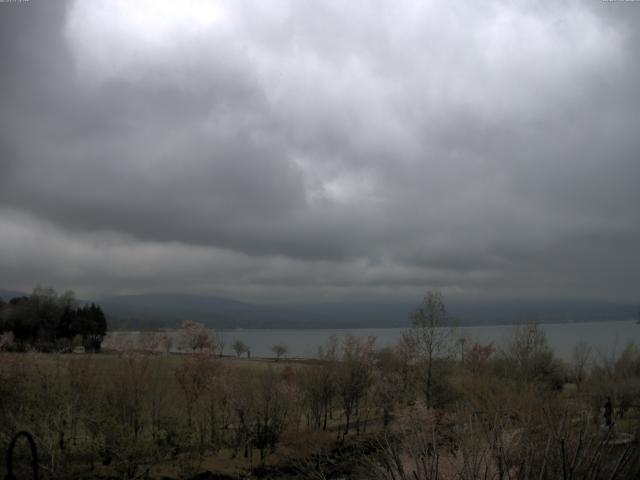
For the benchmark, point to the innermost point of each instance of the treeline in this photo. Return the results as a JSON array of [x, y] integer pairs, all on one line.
[[48, 322]]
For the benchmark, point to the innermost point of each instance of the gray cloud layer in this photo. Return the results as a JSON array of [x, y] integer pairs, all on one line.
[[286, 150]]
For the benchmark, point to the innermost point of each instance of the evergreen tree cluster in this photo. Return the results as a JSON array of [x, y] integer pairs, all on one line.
[[48, 322]]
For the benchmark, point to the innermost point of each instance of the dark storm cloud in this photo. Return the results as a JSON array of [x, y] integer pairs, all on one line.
[[283, 149]]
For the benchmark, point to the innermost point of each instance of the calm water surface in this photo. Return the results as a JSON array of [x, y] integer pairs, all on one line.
[[604, 337]]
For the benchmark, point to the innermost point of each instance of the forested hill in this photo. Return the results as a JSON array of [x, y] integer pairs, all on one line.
[[151, 311], [168, 310], [7, 295]]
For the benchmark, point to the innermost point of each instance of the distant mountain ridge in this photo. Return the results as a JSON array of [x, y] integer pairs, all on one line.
[[7, 295], [169, 310], [479, 312]]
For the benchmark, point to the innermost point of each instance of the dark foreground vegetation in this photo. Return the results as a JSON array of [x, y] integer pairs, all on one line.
[[434, 407]]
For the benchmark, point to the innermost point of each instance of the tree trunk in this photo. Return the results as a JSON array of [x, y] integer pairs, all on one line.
[[324, 426], [428, 386], [346, 428]]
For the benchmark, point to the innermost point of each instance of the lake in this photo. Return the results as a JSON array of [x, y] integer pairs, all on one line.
[[604, 337]]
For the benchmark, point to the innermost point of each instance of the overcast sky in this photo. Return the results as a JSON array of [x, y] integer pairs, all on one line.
[[324, 150]]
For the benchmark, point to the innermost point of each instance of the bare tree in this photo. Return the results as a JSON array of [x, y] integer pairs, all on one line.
[[431, 335], [319, 385], [279, 350], [239, 347], [412, 449], [354, 376], [580, 359], [529, 356], [477, 356], [272, 409], [193, 377]]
